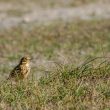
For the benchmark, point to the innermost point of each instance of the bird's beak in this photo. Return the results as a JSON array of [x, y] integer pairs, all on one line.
[[29, 58]]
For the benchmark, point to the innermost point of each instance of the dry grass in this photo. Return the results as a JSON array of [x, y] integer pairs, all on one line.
[[50, 3], [67, 86], [82, 88]]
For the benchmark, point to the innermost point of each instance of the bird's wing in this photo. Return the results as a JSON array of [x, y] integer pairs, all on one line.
[[15, 71]]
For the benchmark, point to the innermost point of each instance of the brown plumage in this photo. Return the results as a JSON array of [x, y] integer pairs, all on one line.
[[22, 70]]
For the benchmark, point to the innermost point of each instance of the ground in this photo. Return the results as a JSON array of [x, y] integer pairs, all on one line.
[[69, 51]]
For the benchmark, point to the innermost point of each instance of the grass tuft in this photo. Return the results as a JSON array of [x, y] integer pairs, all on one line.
[[67, 87]]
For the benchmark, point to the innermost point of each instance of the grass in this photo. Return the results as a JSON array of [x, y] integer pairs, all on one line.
[[50, 3], [14, 13], [70, 84], [73, 40], [65, 88]]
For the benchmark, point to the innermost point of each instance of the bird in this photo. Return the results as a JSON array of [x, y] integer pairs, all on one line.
[[22, 70]]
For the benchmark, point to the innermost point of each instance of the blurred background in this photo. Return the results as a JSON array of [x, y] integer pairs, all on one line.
[[61, 37], [52, 32]]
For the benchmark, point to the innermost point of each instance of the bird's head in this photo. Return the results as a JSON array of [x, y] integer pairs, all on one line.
[[25, 60]]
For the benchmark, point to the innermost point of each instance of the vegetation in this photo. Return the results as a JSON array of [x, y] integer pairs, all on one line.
[[50, 3], [82, 88], [80, 77]]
